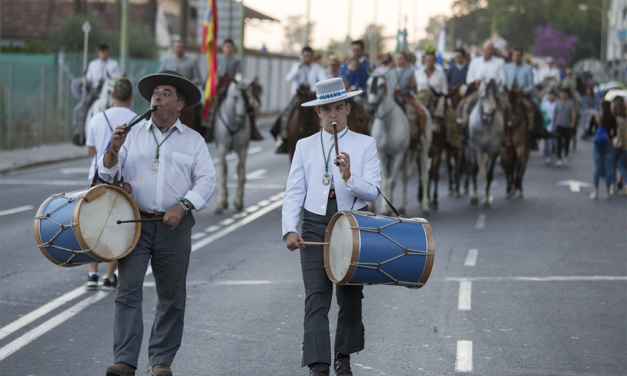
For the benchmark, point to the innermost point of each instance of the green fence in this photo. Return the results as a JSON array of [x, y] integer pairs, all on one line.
[[36, 103]]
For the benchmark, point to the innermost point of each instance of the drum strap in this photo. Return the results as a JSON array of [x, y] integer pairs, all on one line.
[[386, 200]]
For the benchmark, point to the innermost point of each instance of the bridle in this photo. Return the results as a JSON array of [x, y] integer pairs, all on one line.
[[374, 89]]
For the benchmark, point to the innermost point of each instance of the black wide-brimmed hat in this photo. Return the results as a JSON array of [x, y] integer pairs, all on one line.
[[147, 84]]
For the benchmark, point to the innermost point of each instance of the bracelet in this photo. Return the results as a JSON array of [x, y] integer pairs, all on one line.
[[285, 236], [111, 150], [183, 206], [349, 176], [187, 203]]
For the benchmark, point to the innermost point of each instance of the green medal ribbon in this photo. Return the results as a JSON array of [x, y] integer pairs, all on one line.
[[159, 144], [328, 156]]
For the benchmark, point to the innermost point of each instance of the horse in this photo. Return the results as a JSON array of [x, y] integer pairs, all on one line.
[[232, 133], [486, 124], [302, 121], [103, 101], [515, 154], [390, 129]]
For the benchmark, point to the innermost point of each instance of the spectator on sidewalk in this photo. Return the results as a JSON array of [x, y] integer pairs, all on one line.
[[101, 127], [620, 144], [564, 122], [603, 151], [589, 107], [548, 106]]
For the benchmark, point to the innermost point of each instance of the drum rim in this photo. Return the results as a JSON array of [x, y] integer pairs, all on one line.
[[350, 272], [431, 249], [77, 228], [42, 249]]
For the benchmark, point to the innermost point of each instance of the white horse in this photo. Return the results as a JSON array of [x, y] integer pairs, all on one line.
[[486, 129], [232, 133], [103, 102], [390, 129]]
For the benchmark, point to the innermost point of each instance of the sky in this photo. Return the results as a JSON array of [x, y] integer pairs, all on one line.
[[331, 19]]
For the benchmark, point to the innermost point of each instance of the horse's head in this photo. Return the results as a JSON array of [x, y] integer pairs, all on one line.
[[105, 91], [489, 102], [239, 99], [376, 92]]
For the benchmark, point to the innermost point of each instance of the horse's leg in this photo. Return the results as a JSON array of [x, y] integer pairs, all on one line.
[[522, 153], [384, 181], [408, 166], [222, 202], [423, 161], [506, 161], [241, 178], [398, 167], [474, 197], [434, 177], [489, 176]]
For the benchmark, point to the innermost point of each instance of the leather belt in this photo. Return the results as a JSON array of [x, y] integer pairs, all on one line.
[[152, 215]]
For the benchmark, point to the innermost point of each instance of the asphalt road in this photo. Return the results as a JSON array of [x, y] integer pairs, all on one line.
[[527, 287]]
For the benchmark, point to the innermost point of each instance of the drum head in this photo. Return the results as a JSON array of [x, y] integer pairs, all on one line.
[[98, 230], [343, 247]]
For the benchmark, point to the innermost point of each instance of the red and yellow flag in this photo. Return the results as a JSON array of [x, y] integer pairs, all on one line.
[[209, 46]]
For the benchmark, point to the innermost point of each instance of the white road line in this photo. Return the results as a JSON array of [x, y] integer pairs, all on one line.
[[57, 320], [561, 278], [227, 221], [258, 186], [465, 290], [60, 318], [19, 209], [471, 259], [480, 221], [198, 235], [463, 362], [44, 309], [233, 157], [213, 228], [75, 170], [257, 174]]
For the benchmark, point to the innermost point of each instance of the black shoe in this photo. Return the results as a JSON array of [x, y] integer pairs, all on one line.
[[282, 149], [255, 135], [342, 365], [108, 285], [319, 369], [92, 282]]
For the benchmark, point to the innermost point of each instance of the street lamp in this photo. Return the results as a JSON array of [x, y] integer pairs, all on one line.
[[506, 8], [603, 11]]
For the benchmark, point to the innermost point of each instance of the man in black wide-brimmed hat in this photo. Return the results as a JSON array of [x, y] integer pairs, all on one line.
[[169, 167]]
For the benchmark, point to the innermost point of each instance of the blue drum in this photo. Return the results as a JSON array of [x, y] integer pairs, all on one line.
[[80, 227], [362, 248]]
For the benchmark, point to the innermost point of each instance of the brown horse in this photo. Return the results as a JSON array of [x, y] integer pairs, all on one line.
[[303, 121], [515, 151]]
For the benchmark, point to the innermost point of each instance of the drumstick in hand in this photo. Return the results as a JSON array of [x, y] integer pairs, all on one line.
[[313, 243]]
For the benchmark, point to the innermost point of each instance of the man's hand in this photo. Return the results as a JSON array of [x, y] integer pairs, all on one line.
[[174, 215], [293, 241], [118, 136], [343, 161], [477, 82], [84, 72]]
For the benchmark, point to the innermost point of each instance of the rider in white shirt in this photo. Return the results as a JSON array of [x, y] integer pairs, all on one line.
[[550, 71], [486, 67], [97, 69], [305, 71]]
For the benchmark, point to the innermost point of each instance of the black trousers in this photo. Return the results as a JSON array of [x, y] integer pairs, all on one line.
[[350, 332], [563, 140]]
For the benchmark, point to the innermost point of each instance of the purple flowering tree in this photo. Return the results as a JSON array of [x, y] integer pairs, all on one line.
[[550, 42]]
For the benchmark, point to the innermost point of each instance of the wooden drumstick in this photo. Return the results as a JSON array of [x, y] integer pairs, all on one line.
[[141, 220], [313, 243]]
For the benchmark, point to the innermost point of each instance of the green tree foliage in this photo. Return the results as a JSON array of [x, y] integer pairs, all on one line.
[[377, 36], [31, 46], [517, 27]]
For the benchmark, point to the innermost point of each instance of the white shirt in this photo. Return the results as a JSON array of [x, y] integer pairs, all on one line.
[[99, 131], [437, 81], [480, 69], [97, 70], [309, 74], [305, 186], [185, 167], [549, 107], [546, 72]]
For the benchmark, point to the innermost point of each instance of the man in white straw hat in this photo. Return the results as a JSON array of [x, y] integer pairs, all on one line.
[[323, 187]]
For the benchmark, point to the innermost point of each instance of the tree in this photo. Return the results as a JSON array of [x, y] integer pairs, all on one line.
[[550, 42], [296, 34], [373, 36]]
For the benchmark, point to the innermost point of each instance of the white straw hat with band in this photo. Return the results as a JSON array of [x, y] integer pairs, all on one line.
[[330, 91]]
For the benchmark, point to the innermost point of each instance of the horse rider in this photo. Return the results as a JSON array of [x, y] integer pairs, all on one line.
[[187, 66], [482, 68], [98, 69], [456, 74], [169, 166], [402, 82], [228, 67], [334, 64], [432, 85], [550, 71], [98, 139], [323, 187], [307, 73]]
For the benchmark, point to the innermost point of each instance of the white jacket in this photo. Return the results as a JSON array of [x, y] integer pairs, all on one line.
[[304, 184]]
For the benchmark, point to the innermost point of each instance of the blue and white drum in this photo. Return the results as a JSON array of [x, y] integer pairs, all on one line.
[[79, 227], [366, 249]]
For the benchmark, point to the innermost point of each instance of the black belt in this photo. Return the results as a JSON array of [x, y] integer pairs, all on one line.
[[152, 215]]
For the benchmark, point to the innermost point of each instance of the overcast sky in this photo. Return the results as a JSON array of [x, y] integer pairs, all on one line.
[[331, 19]]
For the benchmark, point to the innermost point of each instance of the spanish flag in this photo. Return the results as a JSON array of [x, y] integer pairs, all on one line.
[[209, 46]]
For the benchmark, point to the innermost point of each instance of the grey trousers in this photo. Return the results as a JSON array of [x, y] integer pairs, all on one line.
[[350, 332], [168, 252]]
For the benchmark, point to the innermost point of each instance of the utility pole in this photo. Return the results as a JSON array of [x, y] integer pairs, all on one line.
[[124, 38], [350, 18], [184, 16], [308, 26]]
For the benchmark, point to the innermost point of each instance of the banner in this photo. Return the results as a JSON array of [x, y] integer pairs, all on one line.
[[209, 47]]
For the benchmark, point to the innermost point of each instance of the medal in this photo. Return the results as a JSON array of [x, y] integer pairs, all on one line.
[[155, 166], [326, 179]]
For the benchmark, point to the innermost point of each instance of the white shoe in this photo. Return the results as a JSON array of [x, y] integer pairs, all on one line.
[[594, 195], [547, 161], [558, 163]]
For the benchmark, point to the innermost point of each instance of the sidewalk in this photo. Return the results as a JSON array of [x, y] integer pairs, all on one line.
[[41, 155]]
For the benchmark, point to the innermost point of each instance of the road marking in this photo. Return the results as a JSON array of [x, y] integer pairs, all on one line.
[[574, 185], [19, 209], [471, 259], [43, 182], [227, 221], [233, 157], [75, 170], [480, 221], [542, 279], [60, 318], [198, 235], [44, 309], [213, 228], [463, 362], [27, 338], [257, 174], [465, 290]]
